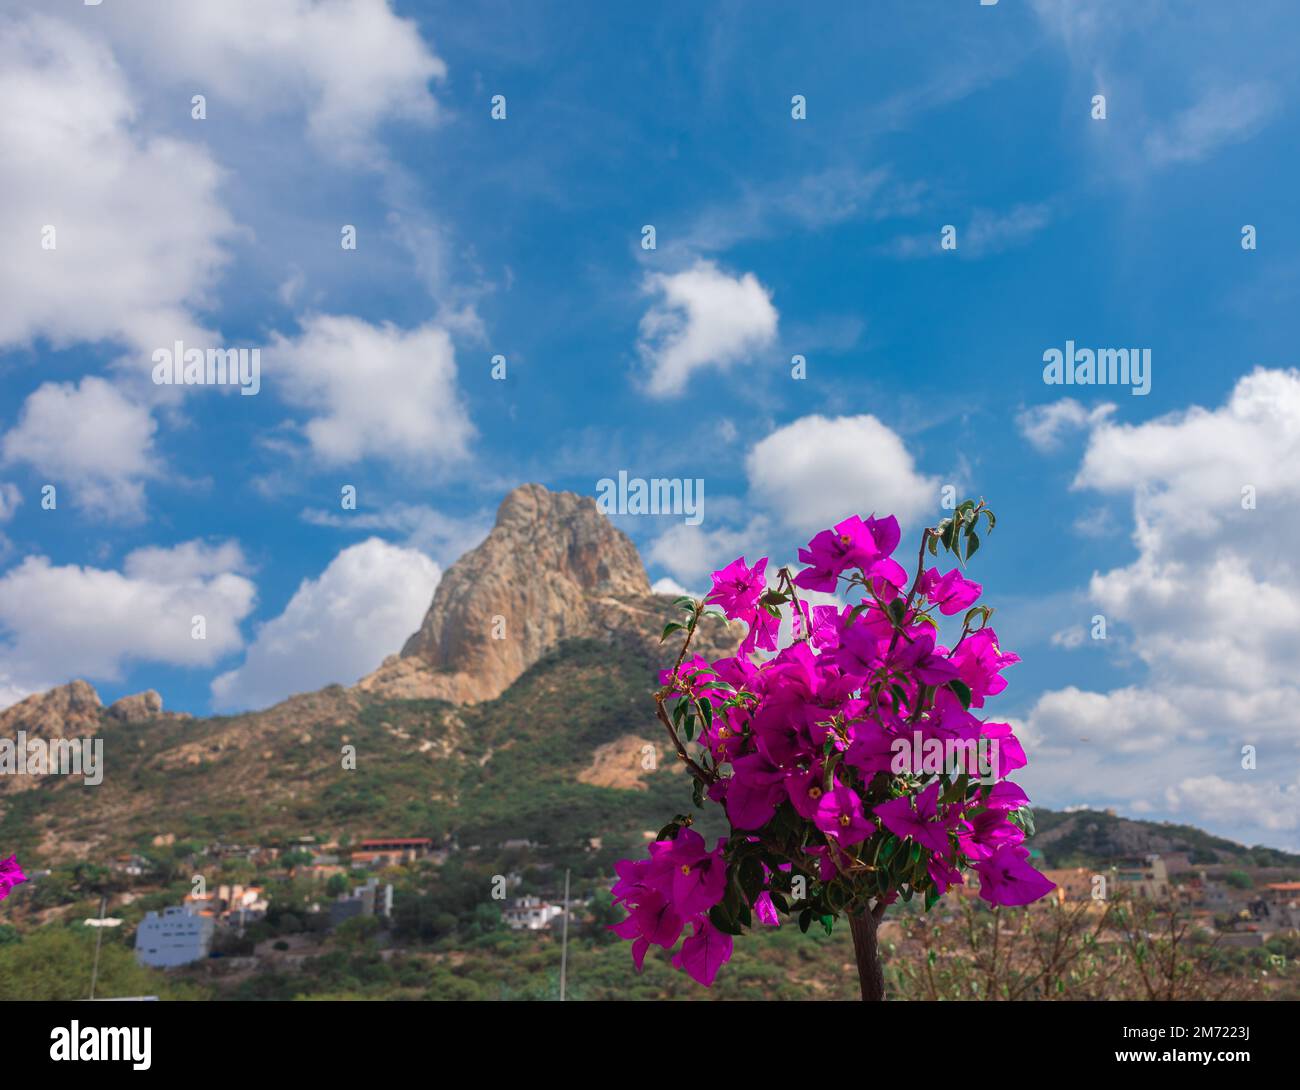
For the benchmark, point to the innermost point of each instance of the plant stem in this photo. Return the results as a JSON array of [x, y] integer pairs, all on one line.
[[870, 974]]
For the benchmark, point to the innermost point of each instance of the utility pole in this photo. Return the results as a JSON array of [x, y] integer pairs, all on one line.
[[99, 938], [564, 940]]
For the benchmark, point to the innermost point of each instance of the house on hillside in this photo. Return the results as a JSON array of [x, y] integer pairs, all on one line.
[[531, 914], [176, 937], [1146, 879], [372, 899], [391, 851]]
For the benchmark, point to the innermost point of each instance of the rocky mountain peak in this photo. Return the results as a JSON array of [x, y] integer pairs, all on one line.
[[552, 568], [71, 710]]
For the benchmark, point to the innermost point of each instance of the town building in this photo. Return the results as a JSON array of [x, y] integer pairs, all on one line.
[[372, 899], [391, 851], [234, 905], [531, 914], [1147, 879], [176, 937], [1073, 884]]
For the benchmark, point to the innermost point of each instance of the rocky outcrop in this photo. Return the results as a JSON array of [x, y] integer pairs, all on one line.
[[69, 711], [137, 708], [553, 568]]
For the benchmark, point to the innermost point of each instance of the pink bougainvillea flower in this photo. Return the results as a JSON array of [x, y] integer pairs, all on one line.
[[652, 919], [980, 662], [755, 791], [832, 552], [982, 836], [839, 815], [737, 588], [698, 877], [944, 874], [10, 875], [765, 910], [951, 592], [1006, 796], [704, 953], [919, 824], [1007, 878], [763, 630]]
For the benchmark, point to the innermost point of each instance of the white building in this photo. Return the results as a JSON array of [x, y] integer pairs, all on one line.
[[531, 914], [176, 937]]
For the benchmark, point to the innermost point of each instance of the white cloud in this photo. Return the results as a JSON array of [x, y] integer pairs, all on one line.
[[1045, 425], [62, 622], [1212, 602], [444, 537], [89, 437], [10, 498], [690, 553], [665, 585], [348, 65], [986, 232], [703, 318], [138, 229], [1221, 117], [336, 627], [375, 391], [817, 470]]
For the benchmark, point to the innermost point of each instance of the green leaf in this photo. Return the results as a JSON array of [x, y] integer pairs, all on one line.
[[827, 922], [669, 629], [932, 543], [723, 922], [963, 692], [972, 543], [956, 790], [805, 919]]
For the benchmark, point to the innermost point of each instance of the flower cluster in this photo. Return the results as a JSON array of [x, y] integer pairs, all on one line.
[[10, 875], [854, 765]]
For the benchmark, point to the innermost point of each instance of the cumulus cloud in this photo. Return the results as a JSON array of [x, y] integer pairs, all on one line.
[[10, 498], [91, 437], [62, 622], [374, 391], [347, 65], [817, 470], [690, 553], [1046, 425], [336, 627], [702, 318], [137, 227], [1212, 604]]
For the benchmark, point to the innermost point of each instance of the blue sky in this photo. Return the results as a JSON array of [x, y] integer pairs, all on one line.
[[774, 237]]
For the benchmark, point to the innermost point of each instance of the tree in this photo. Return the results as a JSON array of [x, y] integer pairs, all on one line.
[[851, 763]]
